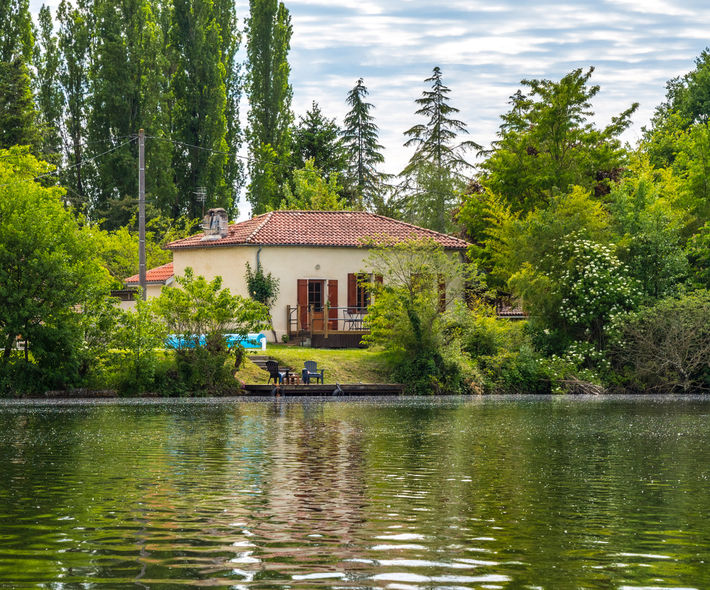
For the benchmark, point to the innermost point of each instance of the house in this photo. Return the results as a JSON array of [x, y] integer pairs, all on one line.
[[156, 278], [316, 255]]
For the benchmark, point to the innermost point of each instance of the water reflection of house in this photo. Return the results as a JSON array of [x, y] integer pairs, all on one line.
[[317, 256]]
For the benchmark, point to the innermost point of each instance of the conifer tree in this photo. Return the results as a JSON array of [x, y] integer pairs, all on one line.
[[269, 31], [318, 138], [364, 152], [50, 99], [434, 174]]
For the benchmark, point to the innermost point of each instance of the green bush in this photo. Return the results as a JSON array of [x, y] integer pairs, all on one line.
[[666, 347]]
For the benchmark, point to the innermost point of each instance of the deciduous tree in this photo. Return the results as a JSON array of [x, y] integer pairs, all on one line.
[[269, 33]]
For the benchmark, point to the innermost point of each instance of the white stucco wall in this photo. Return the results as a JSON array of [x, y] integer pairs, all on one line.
[[287, 263], [151, 290]]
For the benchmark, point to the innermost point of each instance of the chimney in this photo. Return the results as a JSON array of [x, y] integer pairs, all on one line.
[[215, 224]]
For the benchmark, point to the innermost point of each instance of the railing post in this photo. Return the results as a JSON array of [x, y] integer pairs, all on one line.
[[310, 319], [327, 317], [288, 321]]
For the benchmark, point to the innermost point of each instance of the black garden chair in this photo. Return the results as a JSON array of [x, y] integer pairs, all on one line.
[[311, 372], [273, 368]]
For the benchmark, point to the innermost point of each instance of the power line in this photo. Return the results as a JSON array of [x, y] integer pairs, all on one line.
[[198, 147], [82, 162], [58, 171]]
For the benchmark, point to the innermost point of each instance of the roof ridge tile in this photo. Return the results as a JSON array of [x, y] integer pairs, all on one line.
[[267, 217]]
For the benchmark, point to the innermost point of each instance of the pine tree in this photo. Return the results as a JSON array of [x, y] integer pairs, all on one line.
[[73, 38], [199, 119], [434, 173], [364, 151], [50, 99], [318, 138], [269, 30]]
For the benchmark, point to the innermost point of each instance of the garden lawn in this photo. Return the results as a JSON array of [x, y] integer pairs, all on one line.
[[352, 365]]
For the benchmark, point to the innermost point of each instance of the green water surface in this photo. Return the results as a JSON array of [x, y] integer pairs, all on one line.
[[557, 492]]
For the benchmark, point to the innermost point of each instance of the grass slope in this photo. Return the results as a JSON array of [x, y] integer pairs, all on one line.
[[341, 365]]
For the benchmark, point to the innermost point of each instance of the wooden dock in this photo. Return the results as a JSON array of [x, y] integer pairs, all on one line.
[[344, 389]]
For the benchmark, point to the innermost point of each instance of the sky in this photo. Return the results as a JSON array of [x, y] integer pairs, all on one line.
[[484, 49]]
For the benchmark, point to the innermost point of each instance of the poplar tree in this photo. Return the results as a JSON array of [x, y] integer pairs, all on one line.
[[16, 31], [361, 142], [73, 38], [270, 117], [18, 117], [434, 174], [226, 16], [125, 85], [199, 111], [50, 99]]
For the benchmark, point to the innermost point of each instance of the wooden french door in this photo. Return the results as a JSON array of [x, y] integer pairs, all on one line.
[[312, 304]]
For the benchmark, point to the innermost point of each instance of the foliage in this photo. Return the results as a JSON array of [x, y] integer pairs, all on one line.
[[648, 221], [316, 138], [263, 287], [687, 97], [434, 172], [74, 38], [18, 117], [269, 33], [201, 309], [547, 143], [364, 151], [125, 86], [203, 36], [139, 334], [16, 31], [584, 289], [666, 347], [409, 316], [312, 191], [118, 249], [46, 269], [50, 100], [515, 243]]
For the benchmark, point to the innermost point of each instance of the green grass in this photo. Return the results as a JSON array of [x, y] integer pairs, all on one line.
[[351, 365]]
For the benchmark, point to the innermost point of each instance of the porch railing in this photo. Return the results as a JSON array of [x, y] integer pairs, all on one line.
[[325, 320]]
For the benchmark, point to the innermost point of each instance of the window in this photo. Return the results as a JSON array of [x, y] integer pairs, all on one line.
[[315, 295], [362, 292]]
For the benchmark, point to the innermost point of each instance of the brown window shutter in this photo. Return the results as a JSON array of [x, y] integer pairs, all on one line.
[[352, 292], [333, 300], [302, 301]]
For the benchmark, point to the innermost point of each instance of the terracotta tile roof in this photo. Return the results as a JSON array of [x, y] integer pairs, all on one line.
[[318, 228], [159, 274]]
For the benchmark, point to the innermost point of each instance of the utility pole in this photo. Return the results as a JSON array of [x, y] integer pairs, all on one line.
[[141, 212]]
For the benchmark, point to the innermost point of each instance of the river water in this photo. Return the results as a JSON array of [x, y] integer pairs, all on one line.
[[495, 492]]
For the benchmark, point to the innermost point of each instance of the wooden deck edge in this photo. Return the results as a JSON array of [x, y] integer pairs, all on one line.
[[326, 389]]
